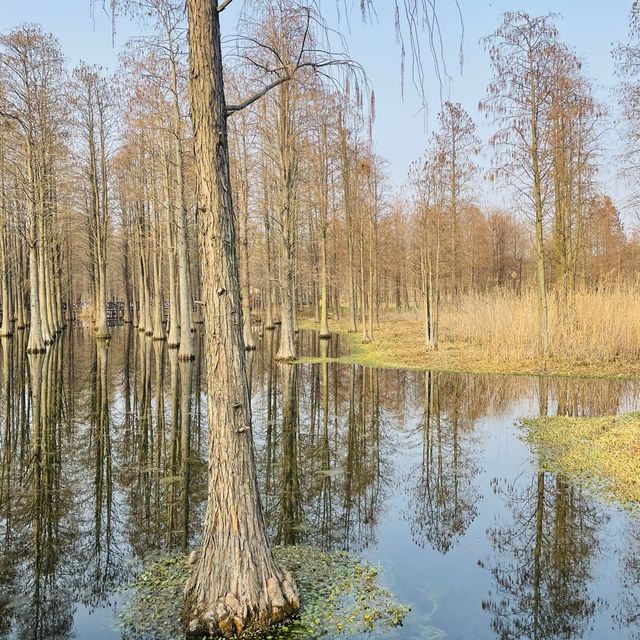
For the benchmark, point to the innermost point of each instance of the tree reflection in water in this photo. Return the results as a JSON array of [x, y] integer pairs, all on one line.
[[544, 555], [444, 499], [543, 558]]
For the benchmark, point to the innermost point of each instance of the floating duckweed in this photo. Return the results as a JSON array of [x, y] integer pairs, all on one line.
[[155, 603], [339, 593]]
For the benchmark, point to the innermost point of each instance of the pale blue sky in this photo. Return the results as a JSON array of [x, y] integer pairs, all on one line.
[[591, 27]]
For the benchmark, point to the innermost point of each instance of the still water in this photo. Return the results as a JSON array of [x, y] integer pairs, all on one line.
[[103, 462]]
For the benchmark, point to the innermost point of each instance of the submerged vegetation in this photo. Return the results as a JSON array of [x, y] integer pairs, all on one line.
[[340, 594], [603, 453]]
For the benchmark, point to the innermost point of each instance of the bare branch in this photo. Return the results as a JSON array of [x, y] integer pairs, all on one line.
[[224, 5], [256, 96]]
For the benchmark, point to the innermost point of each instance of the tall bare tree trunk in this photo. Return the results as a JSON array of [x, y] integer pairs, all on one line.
[[41, 268], [5, 327], [269, 319], [346, 186], [245, 276], [324, 214], [187, 347], [539, 226], [287, 224], [36, 343], [173, 339], [235, 583], [18, 293], [366, 337]]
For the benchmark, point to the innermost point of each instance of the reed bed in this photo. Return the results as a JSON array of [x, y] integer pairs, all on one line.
[[588, 327]]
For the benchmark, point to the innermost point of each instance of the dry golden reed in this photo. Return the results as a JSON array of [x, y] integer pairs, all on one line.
[[590, 327]]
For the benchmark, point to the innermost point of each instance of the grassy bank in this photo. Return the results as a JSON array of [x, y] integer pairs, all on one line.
[[592, 334], [603, 453], [398, 343]]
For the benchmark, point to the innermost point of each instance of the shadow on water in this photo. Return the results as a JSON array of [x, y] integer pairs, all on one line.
[[103, 462]]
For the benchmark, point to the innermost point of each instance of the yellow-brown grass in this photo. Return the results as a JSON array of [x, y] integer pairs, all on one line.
[[595, 333], [603, 453], [590, 327]]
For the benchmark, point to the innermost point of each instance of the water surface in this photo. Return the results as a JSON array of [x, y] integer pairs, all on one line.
[[103, 462]]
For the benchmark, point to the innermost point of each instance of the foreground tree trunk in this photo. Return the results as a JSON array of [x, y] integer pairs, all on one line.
[[235, 584]]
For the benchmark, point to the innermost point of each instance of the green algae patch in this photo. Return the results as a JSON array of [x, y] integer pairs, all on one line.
[[339, 595], [154, 600], [602, 453]]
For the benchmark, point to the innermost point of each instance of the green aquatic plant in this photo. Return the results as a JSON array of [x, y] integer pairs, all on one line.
[[602, 453], [153, 602], [340, 595]]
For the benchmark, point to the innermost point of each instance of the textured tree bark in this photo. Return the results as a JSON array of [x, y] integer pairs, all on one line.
[[146, 293], [18, 293], [249, 342], [325, 334], [40, 266], [173, 337], [102, 330], [269, 320], [58, 287], [235, 583], [129, 306]]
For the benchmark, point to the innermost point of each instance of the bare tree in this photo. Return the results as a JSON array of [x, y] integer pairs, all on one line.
[[523, 51]]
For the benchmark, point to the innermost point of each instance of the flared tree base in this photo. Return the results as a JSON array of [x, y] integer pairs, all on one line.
[[230, 617]]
